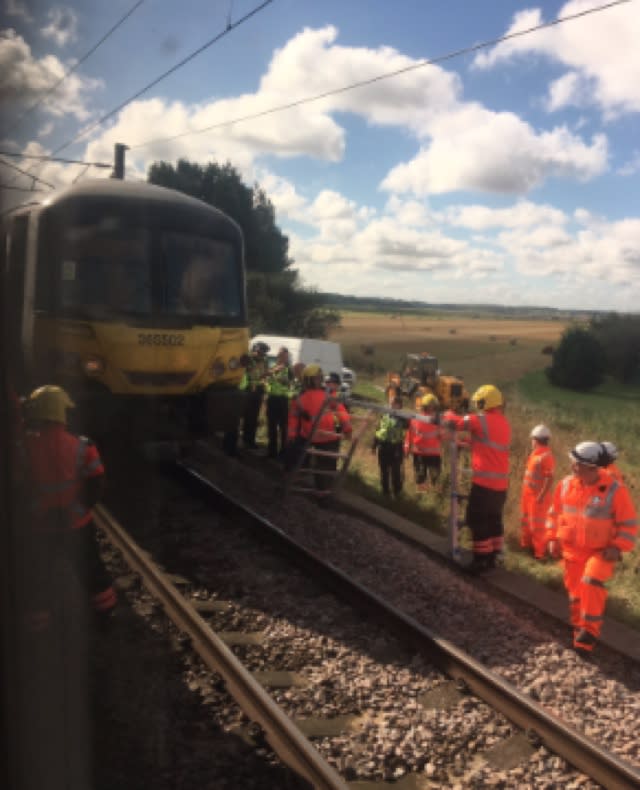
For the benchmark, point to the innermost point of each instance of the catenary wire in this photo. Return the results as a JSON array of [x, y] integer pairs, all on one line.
[[46, 158], [26, 173], [20, 189], [385, 76], [76, 65], [230, 27]]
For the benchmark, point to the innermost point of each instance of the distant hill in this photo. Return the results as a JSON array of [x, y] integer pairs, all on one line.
[[386, 305]]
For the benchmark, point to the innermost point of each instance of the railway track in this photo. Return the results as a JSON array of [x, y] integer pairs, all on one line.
[[490, 715]]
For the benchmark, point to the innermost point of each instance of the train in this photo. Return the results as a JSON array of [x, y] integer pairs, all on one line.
[[133, 298]]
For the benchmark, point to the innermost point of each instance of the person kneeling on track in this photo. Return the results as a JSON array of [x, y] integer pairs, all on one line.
[[591, 522], [536, 492], [67, 475]]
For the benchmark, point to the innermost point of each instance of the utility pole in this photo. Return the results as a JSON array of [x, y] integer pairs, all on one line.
[[118, 160]]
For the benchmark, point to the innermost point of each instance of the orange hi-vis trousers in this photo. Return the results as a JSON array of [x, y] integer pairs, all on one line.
[[532, 524], [585, 576]]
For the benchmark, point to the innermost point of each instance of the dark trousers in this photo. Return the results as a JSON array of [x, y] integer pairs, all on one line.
[[484, 519], [251, 413], [277, 418], [80, 548], [424, 465], [390, 457]]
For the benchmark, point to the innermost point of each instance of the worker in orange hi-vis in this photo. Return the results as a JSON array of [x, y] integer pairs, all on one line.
[[490, 439], [536, 492], [591, 522]]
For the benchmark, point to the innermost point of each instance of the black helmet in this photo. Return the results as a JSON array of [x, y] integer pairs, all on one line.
[[333, 378], [260, 347]]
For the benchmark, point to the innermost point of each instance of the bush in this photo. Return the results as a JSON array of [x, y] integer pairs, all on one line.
[[579, 361]]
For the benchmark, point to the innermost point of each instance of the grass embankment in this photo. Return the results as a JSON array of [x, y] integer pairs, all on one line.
[[609, 413]]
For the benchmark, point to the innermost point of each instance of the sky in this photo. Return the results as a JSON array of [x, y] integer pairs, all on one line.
[[503, 171]]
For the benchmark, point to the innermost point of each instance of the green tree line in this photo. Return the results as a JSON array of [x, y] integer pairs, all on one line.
[[608, 346], [277, 300]]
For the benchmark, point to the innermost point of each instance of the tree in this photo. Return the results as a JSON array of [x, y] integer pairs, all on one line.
[[277, 302], [579, 361], [620, 337]]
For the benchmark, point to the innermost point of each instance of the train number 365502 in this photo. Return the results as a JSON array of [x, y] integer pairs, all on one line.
[[152, 339]]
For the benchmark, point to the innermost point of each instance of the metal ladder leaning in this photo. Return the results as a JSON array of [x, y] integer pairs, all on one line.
[[298, 477]]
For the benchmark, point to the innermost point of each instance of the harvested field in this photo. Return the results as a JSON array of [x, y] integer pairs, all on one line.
[[476, 349]]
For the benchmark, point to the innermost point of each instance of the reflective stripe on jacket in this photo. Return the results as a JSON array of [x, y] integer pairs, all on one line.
[[592, 516], [540, 467], [422, 438], [390, 429], [490, 439], [309, 404], [279, 382], [59, 463]]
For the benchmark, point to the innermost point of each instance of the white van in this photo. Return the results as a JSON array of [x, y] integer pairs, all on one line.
[[310, 351]]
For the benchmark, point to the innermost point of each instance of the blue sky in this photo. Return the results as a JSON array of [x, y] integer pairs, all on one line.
[[508, 175]]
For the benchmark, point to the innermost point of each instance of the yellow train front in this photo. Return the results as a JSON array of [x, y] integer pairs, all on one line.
[[137, 297]]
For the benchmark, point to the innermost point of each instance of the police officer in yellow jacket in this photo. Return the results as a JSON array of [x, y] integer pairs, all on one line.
[[278, 389]]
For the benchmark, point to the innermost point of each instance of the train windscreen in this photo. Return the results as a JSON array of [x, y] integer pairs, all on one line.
[[110, 270]]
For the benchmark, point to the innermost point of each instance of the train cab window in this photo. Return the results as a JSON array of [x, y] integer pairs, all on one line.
[[203, 276], [103, 273]]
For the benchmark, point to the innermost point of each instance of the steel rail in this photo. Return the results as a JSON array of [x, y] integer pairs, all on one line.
[[561, 739], [287, 740]]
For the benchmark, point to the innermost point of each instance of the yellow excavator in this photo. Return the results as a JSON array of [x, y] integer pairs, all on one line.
[[420, 375]]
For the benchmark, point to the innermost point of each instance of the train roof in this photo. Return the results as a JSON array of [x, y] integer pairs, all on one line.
[[130, 190]]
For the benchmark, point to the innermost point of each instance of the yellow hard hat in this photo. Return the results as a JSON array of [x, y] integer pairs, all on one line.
[[49, 403], [429, 400], [311, 371], [487, 397]]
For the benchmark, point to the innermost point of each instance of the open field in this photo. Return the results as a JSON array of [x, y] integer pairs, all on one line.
[[477, 349], [508, 353]]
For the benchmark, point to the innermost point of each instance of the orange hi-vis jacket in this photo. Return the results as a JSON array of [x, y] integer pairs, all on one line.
[[490, 439], [592, 517], [59, 462], [422, 438], [615, 472], [309, 405], [540, 467]]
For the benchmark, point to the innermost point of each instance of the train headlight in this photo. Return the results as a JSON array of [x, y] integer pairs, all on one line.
[[218, 367], [93, 366], [233, 363]]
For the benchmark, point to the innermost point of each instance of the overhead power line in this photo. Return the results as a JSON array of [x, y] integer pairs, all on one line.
[[46, 158], [75, 67], [26, 173], [20, 189], [229, 28], [380, 77]]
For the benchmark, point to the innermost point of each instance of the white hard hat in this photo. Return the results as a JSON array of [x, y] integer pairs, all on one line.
[[611, 450], [588, 453], [540, 432]]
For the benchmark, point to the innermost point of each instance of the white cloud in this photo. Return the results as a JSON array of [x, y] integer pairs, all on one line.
[[600, 52], [63, 26], [26, 79], [476, 149], [523, 214], [632, 166]]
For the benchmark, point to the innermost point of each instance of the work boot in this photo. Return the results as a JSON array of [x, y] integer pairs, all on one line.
[[583, 642], [478, 565]]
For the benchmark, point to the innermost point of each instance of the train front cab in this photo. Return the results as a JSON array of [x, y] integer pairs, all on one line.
[[140, 308]]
